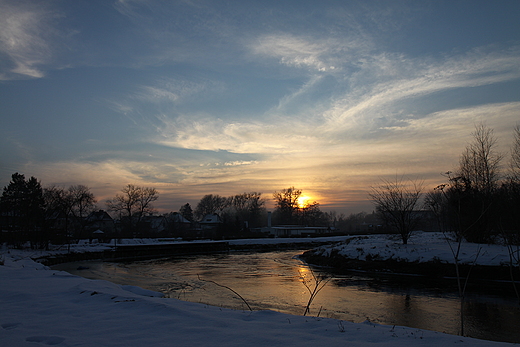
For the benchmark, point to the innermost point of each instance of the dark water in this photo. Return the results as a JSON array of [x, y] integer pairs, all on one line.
[[273, 280]]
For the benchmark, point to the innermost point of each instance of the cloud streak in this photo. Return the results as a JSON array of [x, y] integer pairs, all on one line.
[[27, 35], [359, 112], [413, 79], [294, 51]]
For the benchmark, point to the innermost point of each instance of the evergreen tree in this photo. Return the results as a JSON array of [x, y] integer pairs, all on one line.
[[22, 204], [186, 212]]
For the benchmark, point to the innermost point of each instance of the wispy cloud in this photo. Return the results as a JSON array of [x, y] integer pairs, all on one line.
[[178, 90], [315, 54], [402, 80], [363, 111], [293, 51], [240, 163], [207, 133], [27, 34]]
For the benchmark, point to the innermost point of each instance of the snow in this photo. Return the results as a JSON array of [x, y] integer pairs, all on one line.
[[421, 247], [42, 307]]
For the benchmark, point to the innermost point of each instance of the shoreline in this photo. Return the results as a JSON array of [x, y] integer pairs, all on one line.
[[136, 252], [55, 308], [436, 269], [474, 277], [24, 281]]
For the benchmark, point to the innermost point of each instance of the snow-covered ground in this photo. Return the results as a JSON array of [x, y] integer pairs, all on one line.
[[42, 307], [95, 245], [421, 247], [45, 307]]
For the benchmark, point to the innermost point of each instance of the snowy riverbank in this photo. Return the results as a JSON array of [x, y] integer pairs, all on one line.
[[421, 248], [46, 307], [427, 254]]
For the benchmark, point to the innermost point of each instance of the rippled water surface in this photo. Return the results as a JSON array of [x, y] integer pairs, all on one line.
[[273, 280]]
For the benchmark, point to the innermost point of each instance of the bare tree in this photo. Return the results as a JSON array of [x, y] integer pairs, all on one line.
[[228, 288], [287, 204], [75, 203], [438, 201], [83, 201], [480, 162], [56, 198], [210, 204], [133, 204], [515, 155], [248, 207], [510, 205], [396, 204], [311, 214], [314, 284], [473, 188]]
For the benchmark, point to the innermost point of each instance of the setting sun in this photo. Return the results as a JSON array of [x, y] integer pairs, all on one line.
[[303, 201]]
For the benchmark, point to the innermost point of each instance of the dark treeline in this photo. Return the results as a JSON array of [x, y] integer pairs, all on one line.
[[479, 201], [44, 215], [30, 213]]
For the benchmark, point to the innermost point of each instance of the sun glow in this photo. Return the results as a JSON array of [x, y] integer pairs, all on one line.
[[303, 201]]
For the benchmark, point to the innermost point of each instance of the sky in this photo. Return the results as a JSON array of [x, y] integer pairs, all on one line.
[[201, 97]]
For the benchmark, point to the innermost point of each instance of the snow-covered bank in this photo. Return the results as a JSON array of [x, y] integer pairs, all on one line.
[[46, 307], [96, 248], [139, 249], [422, 247], [429, 255]]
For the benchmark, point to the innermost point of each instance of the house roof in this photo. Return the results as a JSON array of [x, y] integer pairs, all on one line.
[[211, 219], [98, 216], [177, 218]]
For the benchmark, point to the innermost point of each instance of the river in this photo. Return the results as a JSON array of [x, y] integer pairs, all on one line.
[[273, 281]]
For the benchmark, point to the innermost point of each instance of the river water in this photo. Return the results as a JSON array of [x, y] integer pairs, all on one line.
[[274, 281]]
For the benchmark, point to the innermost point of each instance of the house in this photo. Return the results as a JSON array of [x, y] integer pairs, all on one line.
[[100, 220], [176, 217], [156, 225], [57, 220], [177, 221], [178, 226], [210, 221], [207, 227]]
